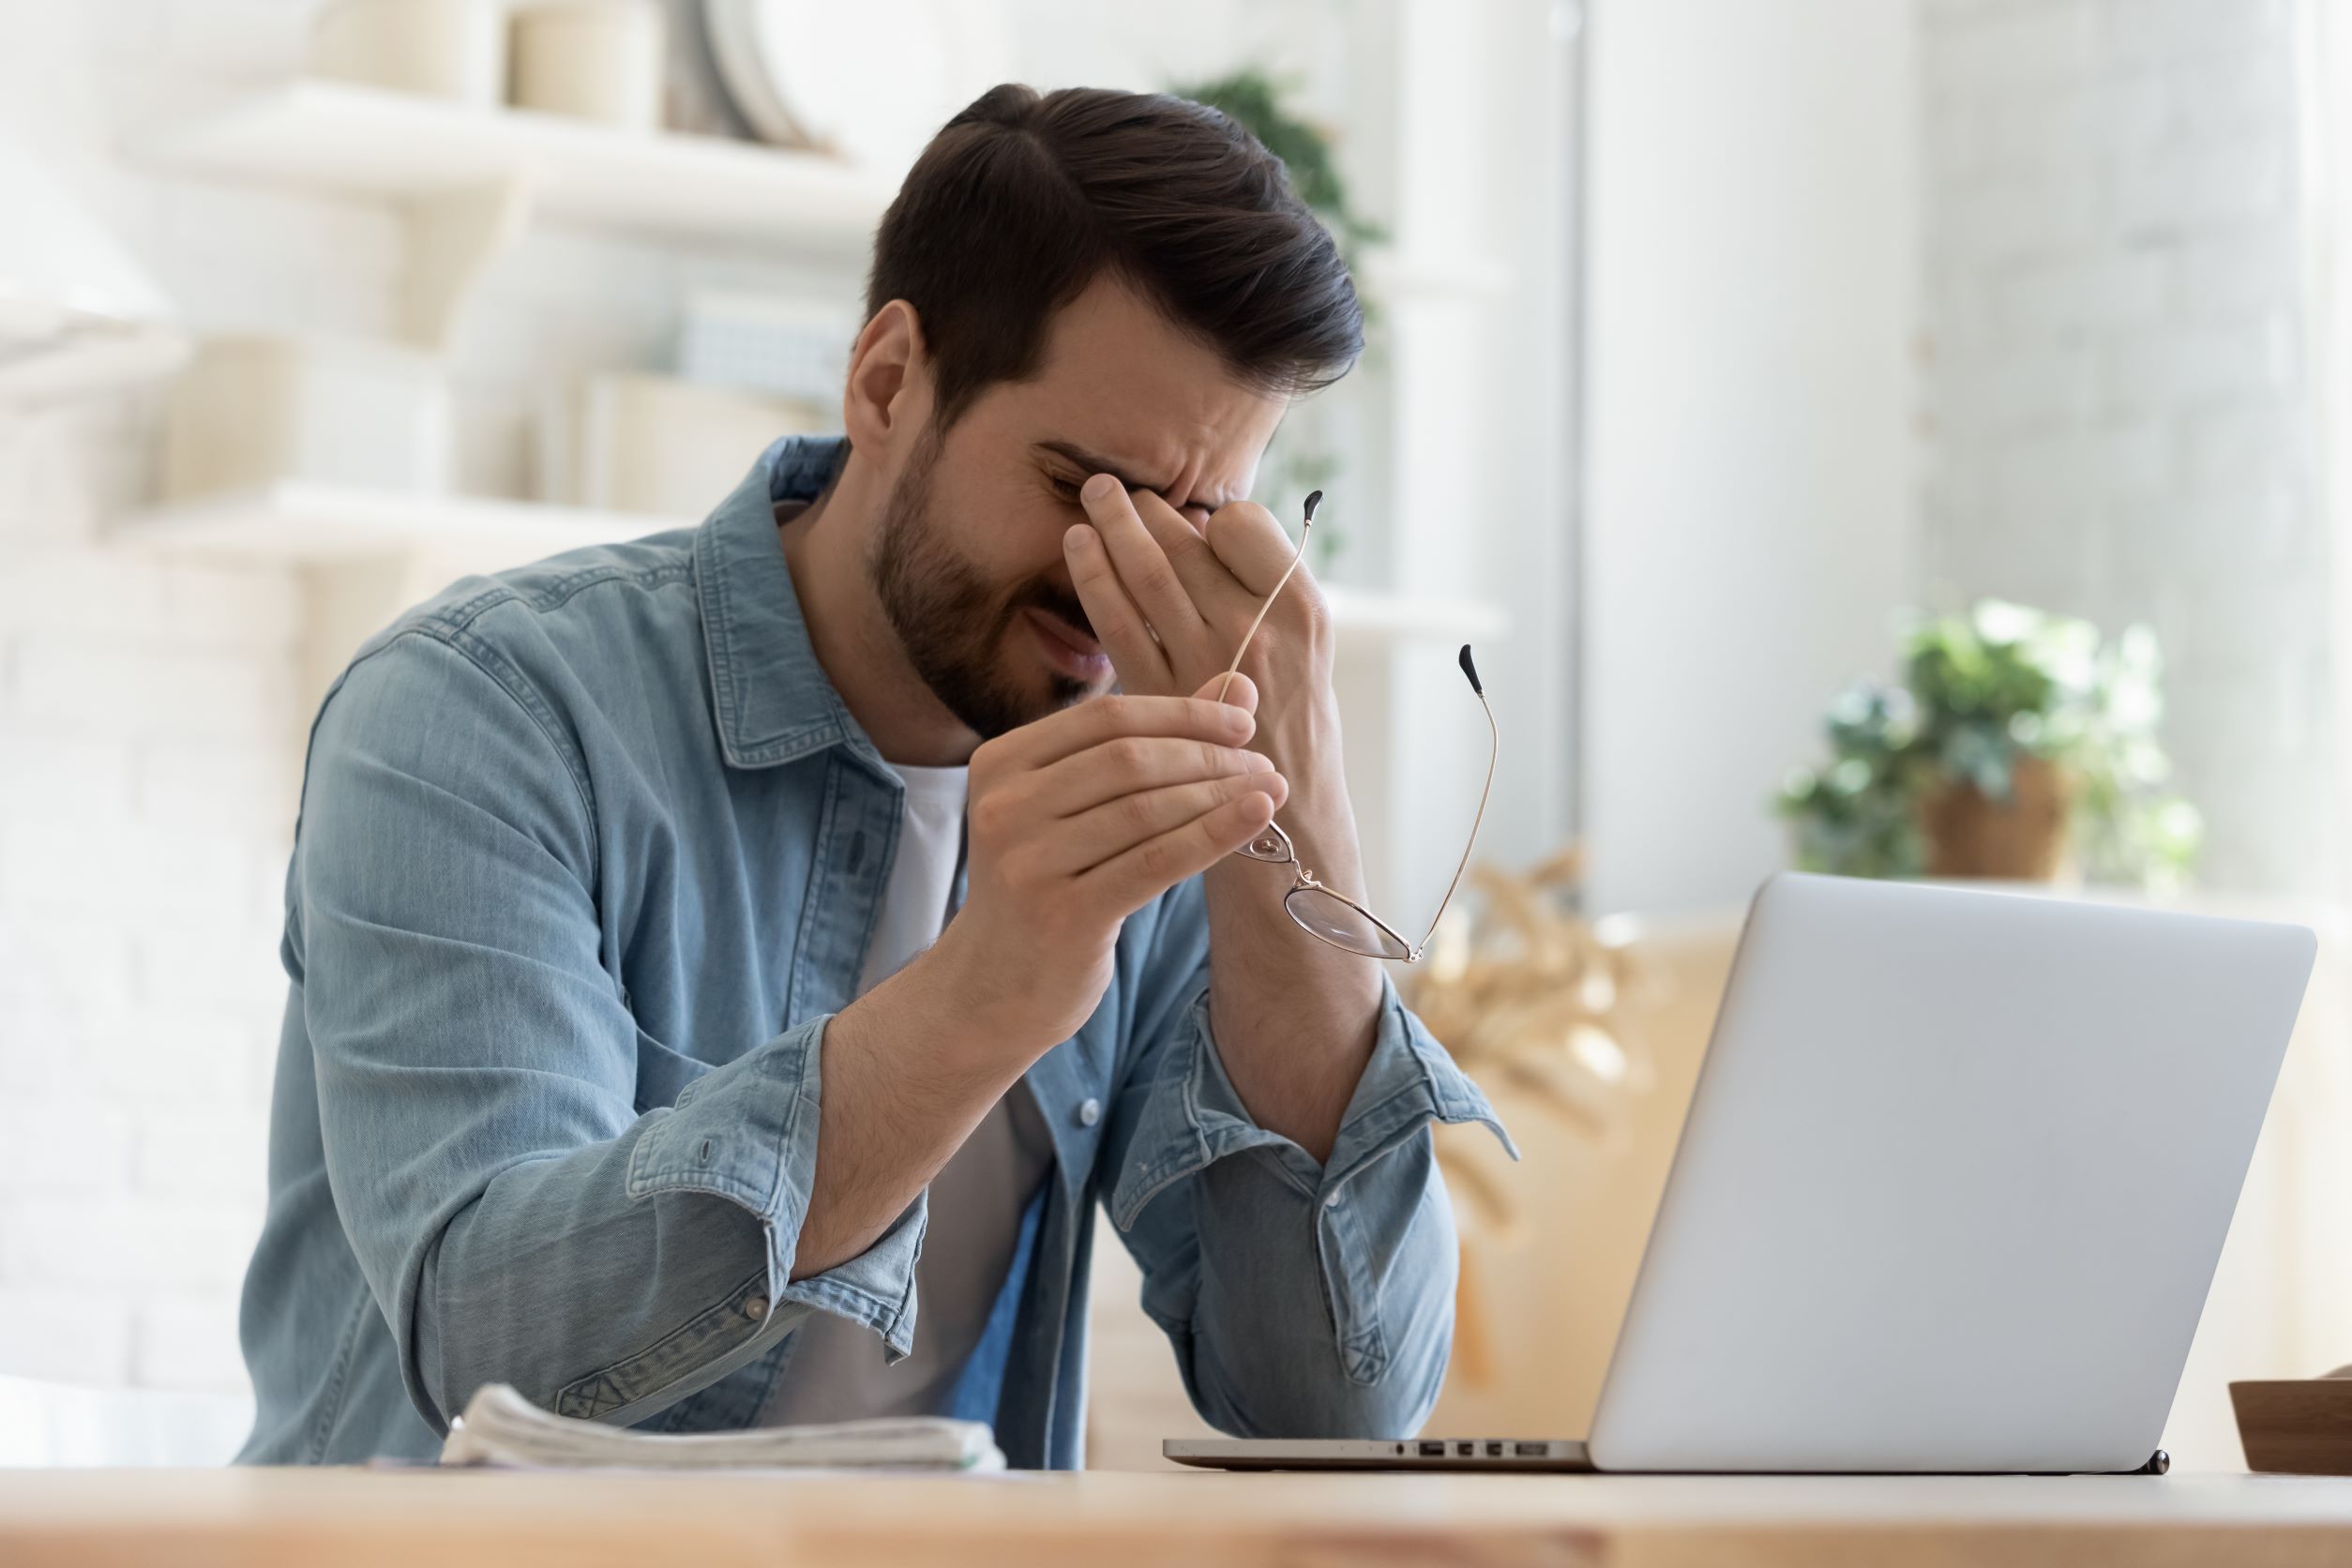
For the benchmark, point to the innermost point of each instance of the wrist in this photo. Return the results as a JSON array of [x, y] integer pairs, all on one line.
[[989, 996], [1320, 823]]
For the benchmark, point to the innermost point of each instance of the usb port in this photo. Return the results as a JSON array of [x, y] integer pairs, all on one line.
[[1494, 1450], [1433, 1451], [1531, 1450], [1465, 1450]]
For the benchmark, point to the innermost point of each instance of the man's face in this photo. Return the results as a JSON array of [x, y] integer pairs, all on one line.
[[968, 558]]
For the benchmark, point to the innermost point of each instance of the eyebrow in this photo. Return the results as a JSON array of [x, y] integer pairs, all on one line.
[[1093, 463]]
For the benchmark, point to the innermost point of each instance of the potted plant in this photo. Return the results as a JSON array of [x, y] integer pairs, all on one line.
[[2017, 745]]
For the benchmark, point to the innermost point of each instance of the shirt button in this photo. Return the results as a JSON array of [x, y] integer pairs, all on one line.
[[1090, 1111], [1330, 1201], [756, 1308]]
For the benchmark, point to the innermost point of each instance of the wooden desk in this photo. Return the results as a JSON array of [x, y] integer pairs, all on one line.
[[461, 1519]]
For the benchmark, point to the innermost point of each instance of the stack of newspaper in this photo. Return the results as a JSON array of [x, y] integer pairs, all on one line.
[[502, 1427]]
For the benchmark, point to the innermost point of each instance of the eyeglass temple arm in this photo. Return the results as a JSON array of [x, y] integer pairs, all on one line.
[[1494, 746], [1313, 500]]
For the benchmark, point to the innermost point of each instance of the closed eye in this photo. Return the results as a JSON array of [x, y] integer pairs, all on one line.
[[1196, 513]]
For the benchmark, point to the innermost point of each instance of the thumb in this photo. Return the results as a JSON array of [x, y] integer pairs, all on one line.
[[1242, 693]]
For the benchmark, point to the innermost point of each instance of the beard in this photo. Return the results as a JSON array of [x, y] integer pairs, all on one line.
[[952, 623]]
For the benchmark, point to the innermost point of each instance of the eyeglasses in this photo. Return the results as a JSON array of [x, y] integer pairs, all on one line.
[[1324, 912]]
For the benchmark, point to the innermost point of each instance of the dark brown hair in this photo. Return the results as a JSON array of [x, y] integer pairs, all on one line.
[[1024, 199]]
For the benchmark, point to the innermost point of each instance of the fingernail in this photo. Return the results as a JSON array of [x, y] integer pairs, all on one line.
[[1102, 487], [1258, 762], [1078, 537]]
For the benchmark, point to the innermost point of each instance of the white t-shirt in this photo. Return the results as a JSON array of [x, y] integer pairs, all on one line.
[[836, 1371]]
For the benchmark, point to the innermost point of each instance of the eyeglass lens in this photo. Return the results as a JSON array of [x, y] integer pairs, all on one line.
[[1323, 913]]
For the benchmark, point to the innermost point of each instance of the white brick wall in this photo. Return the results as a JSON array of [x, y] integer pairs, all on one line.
[[2116, 387], [145, 725], [150, 719]]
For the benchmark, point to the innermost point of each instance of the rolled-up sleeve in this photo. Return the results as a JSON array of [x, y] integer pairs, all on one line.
[[1304, 1299], [519, 1217]]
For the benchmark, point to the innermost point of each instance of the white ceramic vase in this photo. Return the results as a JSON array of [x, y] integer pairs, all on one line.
[[446, 48], [598, 60]]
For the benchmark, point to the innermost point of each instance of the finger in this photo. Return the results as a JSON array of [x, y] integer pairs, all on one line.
[[1210, 585], [1074, 728], [1142, 566], [1115, 826], [1242, 693], [1251, 546], [1138, 658], [1130, 764], [1127, 881]]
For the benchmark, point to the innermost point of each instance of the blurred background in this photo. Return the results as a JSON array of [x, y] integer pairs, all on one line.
[[1887, 436]]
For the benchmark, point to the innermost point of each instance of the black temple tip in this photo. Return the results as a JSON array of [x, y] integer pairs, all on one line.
[[1472, 671], [1314, 499]]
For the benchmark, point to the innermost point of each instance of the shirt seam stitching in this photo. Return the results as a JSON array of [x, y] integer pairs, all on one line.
[[459, 642], [554, 595], [730, 1300]]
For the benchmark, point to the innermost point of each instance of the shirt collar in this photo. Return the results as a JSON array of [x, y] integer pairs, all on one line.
[[770, 695]]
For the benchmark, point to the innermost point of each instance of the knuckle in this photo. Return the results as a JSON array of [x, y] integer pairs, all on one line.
[[1157, 859], [1127, 754], [1139, 813], [992, 814]]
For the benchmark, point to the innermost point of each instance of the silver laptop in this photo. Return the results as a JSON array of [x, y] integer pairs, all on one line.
[[1952, 1189]]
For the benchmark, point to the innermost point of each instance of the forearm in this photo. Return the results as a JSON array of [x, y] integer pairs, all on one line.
[[1261, 1357], [1295, 1015], [1301, 1298], [907, 1072], [614, 1277], [553, 1281]]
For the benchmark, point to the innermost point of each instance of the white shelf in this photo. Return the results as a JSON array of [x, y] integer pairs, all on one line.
[[300, 524], [368, 142], [296, 523]]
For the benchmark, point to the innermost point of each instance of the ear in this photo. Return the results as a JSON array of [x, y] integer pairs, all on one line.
[[889, 394]]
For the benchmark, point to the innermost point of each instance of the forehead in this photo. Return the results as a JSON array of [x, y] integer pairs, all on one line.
[[1120, 382]]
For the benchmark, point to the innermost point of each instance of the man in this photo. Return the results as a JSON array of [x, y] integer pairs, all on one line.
[[659, 1040]]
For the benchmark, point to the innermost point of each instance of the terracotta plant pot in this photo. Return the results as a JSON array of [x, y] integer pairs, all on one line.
[[2023, 838]]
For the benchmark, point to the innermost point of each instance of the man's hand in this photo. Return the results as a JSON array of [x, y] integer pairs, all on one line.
[[1078, 821], [1294, 1018], [1171, 604]]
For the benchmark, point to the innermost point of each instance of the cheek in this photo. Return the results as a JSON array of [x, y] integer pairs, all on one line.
[[1005, 521], [1018, 541]]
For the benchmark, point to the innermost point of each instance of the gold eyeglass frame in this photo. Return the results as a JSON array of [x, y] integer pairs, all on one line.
[[1274, 846]]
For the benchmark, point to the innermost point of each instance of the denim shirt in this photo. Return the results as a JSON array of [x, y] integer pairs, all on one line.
[[588, 854]]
